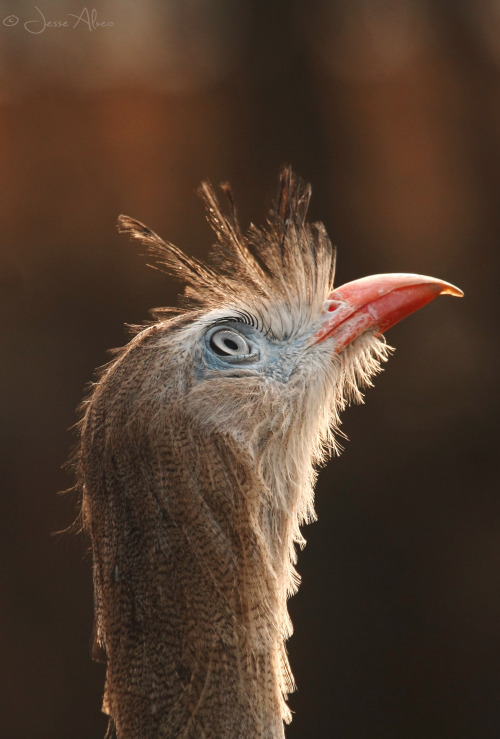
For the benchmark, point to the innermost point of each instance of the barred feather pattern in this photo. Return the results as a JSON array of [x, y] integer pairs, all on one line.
[[193, 492]]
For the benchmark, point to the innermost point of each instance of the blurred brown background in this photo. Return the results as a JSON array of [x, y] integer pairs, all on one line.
[[392, 111]]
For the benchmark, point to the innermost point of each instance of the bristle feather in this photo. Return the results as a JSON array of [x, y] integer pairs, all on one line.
[[288, 260]]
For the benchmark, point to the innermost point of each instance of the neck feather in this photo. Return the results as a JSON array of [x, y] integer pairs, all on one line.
[[192, 570]]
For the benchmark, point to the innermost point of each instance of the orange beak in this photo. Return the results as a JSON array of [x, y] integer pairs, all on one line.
[[375, 304]]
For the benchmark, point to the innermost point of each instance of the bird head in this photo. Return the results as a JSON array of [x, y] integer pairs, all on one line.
[[266, 350]]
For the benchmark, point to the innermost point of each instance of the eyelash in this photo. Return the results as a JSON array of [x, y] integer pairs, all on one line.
[[248, 319], [241, 316]]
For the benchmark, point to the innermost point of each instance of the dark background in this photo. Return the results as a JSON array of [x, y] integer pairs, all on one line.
[[392, 111]]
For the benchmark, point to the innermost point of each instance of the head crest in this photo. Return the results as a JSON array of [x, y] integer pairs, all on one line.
[[287, 260]]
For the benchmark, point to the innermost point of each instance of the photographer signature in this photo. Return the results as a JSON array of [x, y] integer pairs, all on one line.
[[87, 18]]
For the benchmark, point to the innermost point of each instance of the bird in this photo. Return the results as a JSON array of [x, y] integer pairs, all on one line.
[[198, 453]]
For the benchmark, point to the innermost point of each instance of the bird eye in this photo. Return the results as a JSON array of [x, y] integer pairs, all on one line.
[[229, 343]]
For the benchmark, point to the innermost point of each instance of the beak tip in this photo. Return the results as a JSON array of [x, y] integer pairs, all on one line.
[[452, 290]]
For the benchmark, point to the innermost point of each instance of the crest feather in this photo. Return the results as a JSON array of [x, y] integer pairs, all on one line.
[[288, 260], [294, 196], [187, 269]]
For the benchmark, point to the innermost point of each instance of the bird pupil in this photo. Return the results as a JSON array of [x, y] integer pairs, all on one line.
[[231, 344]]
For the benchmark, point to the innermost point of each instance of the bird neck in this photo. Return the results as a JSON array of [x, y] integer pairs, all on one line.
[[192, 608]]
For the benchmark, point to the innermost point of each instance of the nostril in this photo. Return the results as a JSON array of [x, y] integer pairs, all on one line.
[[331, 305]]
